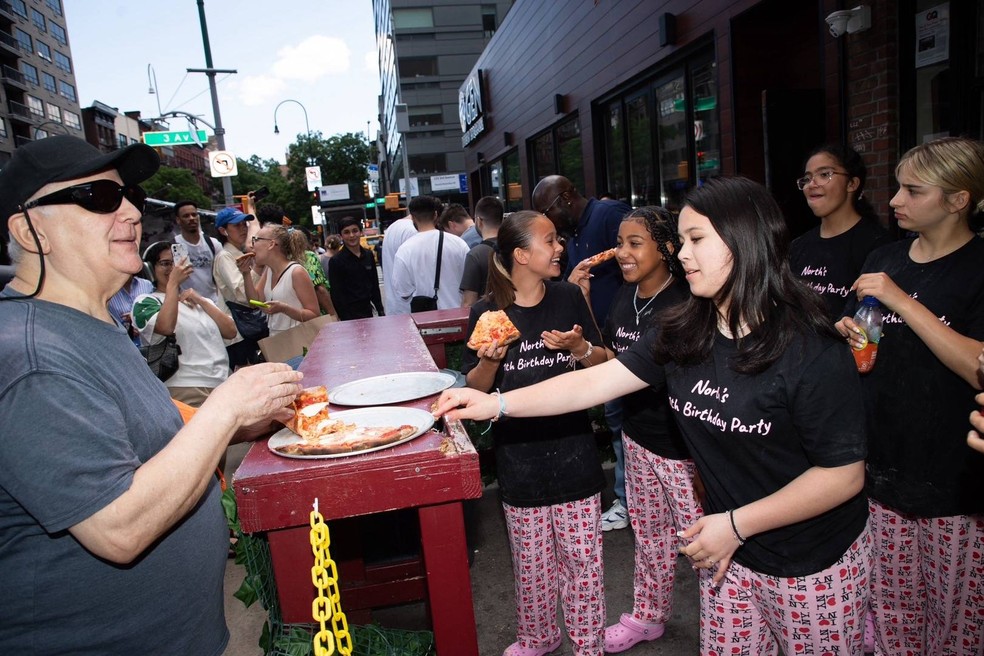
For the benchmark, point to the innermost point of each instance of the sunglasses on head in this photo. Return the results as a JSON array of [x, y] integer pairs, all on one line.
[[99, 196]]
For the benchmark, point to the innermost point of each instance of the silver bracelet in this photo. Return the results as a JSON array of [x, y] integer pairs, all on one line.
[[587, 354]]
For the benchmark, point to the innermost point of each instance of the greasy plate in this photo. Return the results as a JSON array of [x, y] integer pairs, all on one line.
[[391, 388], [389, 416]]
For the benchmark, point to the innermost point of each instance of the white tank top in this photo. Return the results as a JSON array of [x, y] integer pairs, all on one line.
[[284, 292]]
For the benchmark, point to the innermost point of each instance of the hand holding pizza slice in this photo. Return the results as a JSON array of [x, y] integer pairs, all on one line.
[[493, 326]]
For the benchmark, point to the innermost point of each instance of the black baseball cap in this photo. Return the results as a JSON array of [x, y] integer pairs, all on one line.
[[61, 158]]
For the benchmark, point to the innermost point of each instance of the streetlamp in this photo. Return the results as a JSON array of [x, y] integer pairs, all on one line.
[[402, 119], [276, 130], [152, 87]]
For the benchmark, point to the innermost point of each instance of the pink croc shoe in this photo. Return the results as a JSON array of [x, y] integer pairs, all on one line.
[[516, 649], [629, 632]]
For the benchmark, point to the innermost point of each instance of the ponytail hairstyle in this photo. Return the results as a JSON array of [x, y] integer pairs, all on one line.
[[662, 226], [953, 164], [515, 232], [851, 160], [761, 290], [292, 242]]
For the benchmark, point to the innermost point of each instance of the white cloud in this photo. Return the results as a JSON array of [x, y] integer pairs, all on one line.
[[312, 58]]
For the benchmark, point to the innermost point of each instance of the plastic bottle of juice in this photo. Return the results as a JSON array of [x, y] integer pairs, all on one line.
[[869, 320]]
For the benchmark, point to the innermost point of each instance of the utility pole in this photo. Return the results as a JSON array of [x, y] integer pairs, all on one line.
[[210, 72]]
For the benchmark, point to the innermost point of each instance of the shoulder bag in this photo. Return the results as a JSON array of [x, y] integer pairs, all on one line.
[[251, 322], [162, 357]]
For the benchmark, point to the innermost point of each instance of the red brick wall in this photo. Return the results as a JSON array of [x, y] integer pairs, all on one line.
[[872, 100]]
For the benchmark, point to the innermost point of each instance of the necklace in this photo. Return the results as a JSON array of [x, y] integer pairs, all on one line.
[[635, 298]]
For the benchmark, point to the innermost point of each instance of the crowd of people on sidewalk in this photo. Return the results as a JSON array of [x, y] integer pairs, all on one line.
[[822, 510]]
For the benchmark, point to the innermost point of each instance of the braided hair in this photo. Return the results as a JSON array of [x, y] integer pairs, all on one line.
[[662, 226]]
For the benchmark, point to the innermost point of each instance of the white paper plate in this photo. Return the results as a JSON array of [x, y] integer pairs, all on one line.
[[386, 416], [390, 388]]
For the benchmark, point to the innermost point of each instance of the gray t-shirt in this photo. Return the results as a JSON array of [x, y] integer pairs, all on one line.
[[201, 257], [80, 411]]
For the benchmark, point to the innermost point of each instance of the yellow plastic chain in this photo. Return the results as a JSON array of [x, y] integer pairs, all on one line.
[[324, 575]]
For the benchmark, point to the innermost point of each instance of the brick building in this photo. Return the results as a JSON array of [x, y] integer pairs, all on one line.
[[647, 98]]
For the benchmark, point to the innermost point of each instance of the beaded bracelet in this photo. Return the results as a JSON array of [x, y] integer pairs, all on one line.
[[502, 406], [587, 354], [734, 528]]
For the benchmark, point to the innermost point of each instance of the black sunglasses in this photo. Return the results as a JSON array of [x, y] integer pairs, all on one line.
[[99, 196]]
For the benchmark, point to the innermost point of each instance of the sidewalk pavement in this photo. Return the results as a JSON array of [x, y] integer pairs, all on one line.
[[492, 592]]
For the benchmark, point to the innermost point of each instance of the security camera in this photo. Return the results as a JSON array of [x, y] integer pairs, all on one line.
[[837, 22]]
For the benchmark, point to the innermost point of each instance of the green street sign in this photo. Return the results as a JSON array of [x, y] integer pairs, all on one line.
[[178, 138]]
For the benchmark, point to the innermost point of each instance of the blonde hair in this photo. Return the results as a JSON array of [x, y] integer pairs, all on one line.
[[292, 243], [953, 164]]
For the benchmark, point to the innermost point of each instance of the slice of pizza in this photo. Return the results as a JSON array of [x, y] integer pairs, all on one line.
[[310, 408], [350, 439], [597, 259], [493, 325]]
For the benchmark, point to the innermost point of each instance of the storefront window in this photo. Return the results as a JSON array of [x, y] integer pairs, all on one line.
[[933, 85], [618, 184], [543, 156], [671, 106], [558, 152], [707, 128], [645, 191]]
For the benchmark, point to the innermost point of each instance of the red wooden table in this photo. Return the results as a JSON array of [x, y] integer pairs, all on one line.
[[440, 327], [432, 473]]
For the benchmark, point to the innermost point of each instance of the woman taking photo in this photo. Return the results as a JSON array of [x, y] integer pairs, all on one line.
[[285, 285], [756, 379], [549, 473], [925, 486], [197, 324], [829, 257]]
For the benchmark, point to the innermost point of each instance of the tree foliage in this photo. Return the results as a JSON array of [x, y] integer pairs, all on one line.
[[342, 158], [174, 184]]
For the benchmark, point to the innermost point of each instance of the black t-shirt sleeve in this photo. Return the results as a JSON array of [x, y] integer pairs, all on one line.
[[640, 361], [827, 408]]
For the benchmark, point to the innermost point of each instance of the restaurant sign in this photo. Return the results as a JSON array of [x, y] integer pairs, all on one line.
[[471, 112]]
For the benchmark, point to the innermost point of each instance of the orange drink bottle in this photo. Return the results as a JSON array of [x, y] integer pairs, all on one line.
[[869, 321]]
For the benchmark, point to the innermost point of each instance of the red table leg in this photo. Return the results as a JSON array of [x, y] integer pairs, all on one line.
[[442, 535]]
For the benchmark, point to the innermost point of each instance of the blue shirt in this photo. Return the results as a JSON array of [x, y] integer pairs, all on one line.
[[122, 303], [597, 231]]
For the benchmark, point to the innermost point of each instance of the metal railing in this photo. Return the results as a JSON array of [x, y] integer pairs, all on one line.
[[11, 73]]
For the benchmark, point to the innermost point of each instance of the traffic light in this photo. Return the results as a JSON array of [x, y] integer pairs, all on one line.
[[394, 201], [366, 191]]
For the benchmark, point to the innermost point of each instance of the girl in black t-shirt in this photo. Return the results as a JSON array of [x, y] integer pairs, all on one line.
[[549, 473], [829, 257], [659, 473], [925, 486], [768, 401]]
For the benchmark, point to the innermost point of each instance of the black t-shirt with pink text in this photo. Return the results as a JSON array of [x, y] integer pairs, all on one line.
[[542, 461], [646, 416], [751, 435]]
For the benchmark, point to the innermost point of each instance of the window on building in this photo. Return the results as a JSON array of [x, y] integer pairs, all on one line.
[[55, 6], [122, 140], [44, 51], [663, 138], [72, 120], [40, 133], [35, 106], [428, 163], [67, 90], [425, 115], [24, 39], [58, 32], [558, 151], [38, 19], [54, 113], [48, 82], [418, 17], [488, 20], [63, 62], [417, 66], [504, 181], [30, 72], [3, 129], [18, 7]]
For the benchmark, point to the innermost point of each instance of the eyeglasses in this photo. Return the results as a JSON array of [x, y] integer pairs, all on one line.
[[99, 196], [821, 178], [258, 238], [165, 264], [551, 205]]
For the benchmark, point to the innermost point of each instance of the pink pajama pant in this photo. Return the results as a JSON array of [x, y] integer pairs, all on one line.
[[660, 495], [927, 583], [751, 614], [556, 552]]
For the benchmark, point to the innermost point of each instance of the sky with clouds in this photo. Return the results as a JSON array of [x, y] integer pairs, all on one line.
[[320, 53]]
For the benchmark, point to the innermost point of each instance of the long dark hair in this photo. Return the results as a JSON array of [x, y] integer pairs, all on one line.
[[513, 233], [762, 290], [852, 162]]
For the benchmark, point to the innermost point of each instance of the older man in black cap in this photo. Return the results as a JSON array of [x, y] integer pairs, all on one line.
[[112, 539]]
